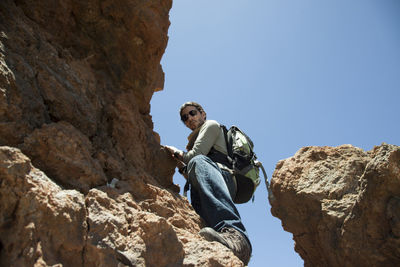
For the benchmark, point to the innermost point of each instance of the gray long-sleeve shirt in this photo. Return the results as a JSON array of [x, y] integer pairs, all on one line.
[[210, 135]]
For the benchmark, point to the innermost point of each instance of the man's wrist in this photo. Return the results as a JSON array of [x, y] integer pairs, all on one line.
[[182, 169]]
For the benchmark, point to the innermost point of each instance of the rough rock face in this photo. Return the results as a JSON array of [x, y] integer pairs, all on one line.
[[43, 224], [342, 204], [76, 80]]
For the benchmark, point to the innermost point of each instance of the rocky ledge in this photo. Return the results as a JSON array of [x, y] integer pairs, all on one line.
[[43, 224], [342, 204]]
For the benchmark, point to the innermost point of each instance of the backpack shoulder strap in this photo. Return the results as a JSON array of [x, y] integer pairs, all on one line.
[[228, 141]]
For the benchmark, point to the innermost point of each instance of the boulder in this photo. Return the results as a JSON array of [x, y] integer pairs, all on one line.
[[341, 204]]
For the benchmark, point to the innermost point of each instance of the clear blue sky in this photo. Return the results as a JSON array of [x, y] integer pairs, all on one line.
[[291, 74]]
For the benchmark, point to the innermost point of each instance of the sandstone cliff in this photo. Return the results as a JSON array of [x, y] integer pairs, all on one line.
[[342, 204], [76, 80]]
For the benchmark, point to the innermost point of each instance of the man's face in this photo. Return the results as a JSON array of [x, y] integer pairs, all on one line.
[[195, 118]]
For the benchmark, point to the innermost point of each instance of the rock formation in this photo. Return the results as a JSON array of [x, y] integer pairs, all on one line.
[[76, 80], [85, 182], [342, 204]]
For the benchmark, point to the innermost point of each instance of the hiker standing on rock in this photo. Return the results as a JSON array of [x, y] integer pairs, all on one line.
[[213, 187]]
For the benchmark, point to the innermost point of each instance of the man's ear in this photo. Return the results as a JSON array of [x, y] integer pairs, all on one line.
[[203, 115]]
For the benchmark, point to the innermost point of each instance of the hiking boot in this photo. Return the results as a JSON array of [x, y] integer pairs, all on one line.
[[232, 239]]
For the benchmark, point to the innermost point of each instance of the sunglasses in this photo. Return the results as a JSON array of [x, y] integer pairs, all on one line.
[[192, 113]]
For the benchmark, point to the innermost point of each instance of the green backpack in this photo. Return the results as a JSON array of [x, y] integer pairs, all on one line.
[[243, 161]]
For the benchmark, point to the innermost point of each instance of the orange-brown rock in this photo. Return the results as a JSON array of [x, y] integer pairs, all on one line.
[[40, 223], [43, 224], [65, 154], [83, 178], [342, 204]]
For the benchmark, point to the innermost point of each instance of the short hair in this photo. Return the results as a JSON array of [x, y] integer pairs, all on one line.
[[193, 104]]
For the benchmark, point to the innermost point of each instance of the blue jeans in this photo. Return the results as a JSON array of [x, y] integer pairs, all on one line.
[[212, 191]]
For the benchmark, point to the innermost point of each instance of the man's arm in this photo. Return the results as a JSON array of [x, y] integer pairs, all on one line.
[[176, 153], [205, 140]]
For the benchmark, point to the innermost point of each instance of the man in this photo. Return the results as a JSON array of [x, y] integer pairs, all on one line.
[[213, 187]]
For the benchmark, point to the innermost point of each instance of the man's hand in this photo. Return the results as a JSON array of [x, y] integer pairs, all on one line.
[[178, 156], [176, 153]]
